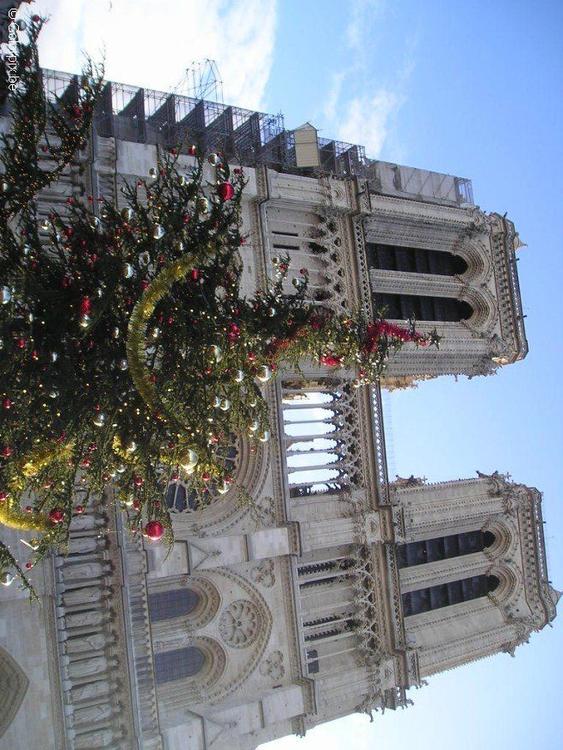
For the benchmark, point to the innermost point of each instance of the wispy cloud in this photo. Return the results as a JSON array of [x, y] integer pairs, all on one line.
[[364, 114], [367, 120], [152, 43]]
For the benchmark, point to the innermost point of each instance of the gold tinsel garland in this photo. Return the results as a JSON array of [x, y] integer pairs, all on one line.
[[28, 467], [136, 337]]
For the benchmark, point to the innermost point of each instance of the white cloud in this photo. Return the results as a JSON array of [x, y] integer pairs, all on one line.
[[152, 43], [367, 120], [334, 94], [361, 12]]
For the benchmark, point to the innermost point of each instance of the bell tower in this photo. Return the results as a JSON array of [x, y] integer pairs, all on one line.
[[472, 568]]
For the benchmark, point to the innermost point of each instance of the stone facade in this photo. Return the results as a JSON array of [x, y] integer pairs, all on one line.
[[269, 617]]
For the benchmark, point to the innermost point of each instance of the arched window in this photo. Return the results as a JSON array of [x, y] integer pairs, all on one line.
[[405, 306], [178, 664], [446, 594], [414, 260], [164, 605], [454, 545]]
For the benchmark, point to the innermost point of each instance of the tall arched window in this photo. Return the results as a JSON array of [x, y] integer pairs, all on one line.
[[414, 260], [446, 594], [178, 664], [441, 548], [421, 307], [164, 605]]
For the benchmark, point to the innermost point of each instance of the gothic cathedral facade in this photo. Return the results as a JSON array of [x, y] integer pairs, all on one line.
[[333, 590]]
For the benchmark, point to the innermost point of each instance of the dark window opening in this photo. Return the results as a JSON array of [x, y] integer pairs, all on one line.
[[414, 260], [446, 594], [312, 661], [489, 538], [164, 605], [178, 664], [405, 306], [430, 550]]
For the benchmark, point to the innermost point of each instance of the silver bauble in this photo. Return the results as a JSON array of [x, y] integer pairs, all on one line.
[[4, 187], [5, 295], [6, 578], [128, 270], [225, 405], [115, 332], [214, 159], [99, 419], [216, 352], [203, 205], [271, 312], [53, 393], [84, 321], [263, 437], [239, 376], [158, 231], [127, 213], [153, 173], [54, 356], [123, 364], [264, 374]]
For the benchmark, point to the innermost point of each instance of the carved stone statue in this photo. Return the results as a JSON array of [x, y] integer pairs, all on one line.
[[92, 714], [86, 571], [92, 690], [90, 740], [87, 667], [93, 642], [85, 619], [86, 595], [83, 545]]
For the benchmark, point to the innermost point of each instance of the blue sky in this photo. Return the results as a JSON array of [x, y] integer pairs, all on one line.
[[469, 88]]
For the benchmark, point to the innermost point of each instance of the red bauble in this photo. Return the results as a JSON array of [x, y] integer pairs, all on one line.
[[6, 403], [136, 504], [7, 451], [225, 191], [85, 463], [29, 565], [20, 343], [192, 150], [56, 515], [85, 306], [28, 509], [79, 509], [154, 530], [330, 360], [195, 274], [3, 496], [138, 481]]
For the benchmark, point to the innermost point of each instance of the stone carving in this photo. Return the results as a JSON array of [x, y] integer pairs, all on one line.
[[273, 666], [92, 690], [87, 667], [91, 714], [240, 623], [264, 574], [263, 511]]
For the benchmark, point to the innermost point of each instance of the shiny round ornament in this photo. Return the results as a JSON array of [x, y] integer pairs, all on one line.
[[56, 515], [214, 159], [115, 332], [271, 312], [153, 174], [189, 461], [5, 295], [100, 419], [253, 426], [84, 321], [263, 437], [182, 181], [127, 213], [131, 447], [239, 376], [264, 374], [4, 187], [222, 488], [158, 231], [225, 404], [53, 357], [128, 270], [95, 222], [216, 352], [45, 225], [203, 205], [155, 332], [154, 530], [123, 364], [104, 214], [53, 393], [225, 191], [6, 578], [121, 469]]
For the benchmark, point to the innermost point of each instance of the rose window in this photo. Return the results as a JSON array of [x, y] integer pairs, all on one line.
[[240, 624]]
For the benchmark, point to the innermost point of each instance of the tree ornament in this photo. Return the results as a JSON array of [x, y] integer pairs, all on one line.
[[123, 364], [53, 357], [239, 376], [84, 321], [264, 374], [189, 461], [203, 205], [154, 530], [158, 231], [214, 159], [225, 191], [127, 213], [99, 419], [95, 222], [7, 403], [225, 404], [115, 332], [153, 174], [264, 436], [79, 509], [53, 393], [6, 578], [128, 270], [271, 312], [253, 426], [216, 352], [4, 187], [56, 515], [5, 295]]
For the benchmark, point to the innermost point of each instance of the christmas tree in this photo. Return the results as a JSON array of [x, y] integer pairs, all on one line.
[[129, 356]]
